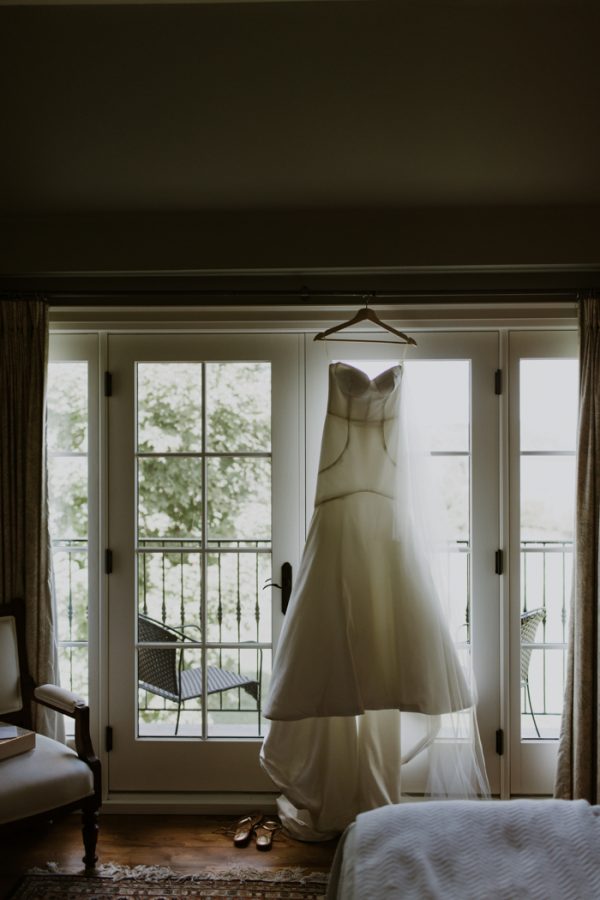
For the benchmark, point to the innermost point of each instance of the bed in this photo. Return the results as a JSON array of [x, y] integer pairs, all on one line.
[[469, 849]]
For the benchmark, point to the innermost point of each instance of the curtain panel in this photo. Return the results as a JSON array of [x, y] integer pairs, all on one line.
[[578, 773], [25, 553]]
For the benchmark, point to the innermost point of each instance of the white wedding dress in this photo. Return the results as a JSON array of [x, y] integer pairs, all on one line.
[[366, 671]]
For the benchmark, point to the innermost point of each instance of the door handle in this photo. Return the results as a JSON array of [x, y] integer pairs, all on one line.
[[285, 587]]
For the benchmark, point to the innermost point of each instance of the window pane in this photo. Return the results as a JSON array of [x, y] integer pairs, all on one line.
[[233, 680], [68, 491], [67, 401], [238, 407], [547, 497], [451, 474], [546, 678], [169, 498], [238, 608], [169, 407], [546, 572], [548, 430], [71, 585], [73, 669], [169, 591], [459, 582], [183, 474], [440, 392], [67, 436], [239, 499], [549, 390], [169, 692], [235, 712]]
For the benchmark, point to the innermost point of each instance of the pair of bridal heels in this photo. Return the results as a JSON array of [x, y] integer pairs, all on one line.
[[255, 824]]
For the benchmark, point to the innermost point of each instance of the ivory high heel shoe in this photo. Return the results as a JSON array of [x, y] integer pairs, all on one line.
[[244, 829], [264, 833]]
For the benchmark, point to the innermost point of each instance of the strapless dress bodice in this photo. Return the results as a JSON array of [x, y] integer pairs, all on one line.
[[359, 433]]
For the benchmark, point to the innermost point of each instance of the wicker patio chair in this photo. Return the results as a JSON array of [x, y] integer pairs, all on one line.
[[161, 671], [530, 622]]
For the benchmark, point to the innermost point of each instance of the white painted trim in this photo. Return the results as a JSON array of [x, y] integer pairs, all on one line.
[[174, 318]]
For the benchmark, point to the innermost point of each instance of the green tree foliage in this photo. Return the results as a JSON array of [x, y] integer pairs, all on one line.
[[169, 421]]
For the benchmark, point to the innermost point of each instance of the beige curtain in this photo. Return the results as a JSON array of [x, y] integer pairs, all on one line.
[[25, 558], [578, 772]]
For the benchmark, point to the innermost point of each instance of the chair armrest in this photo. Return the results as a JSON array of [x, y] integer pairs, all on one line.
[[63, 701], [59, 699]]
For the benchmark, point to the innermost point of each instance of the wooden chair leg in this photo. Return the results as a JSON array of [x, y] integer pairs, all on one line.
[[89, 830]]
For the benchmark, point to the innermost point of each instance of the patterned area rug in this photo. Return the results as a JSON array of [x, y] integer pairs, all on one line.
[[159, 883]]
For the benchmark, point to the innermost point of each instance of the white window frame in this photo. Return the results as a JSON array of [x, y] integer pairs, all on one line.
[[503, 319], [532, 762], [64, 347]]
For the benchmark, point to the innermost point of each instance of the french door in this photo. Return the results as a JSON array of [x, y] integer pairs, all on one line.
[[453, 387], [506, 464], [211, 462], [543, 401], [203, 511]]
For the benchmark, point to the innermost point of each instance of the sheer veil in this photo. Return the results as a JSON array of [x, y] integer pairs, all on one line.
[[449, 744]]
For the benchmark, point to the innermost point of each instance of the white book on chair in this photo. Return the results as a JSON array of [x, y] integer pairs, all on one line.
[[15, 740]]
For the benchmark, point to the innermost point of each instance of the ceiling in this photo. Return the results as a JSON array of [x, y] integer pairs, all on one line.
[[307, 105]]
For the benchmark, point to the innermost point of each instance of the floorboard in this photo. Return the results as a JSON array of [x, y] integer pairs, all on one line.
[[186, 843]]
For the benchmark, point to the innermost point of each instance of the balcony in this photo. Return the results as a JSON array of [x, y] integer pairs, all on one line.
[[236, 628]]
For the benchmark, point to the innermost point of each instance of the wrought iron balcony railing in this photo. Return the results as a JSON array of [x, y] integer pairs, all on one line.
[[236, 610]]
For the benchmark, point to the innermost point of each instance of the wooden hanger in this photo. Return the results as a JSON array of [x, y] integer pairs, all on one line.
[[365, 313]]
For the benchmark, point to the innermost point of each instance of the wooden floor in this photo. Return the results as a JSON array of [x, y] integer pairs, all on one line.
[[185, 843]]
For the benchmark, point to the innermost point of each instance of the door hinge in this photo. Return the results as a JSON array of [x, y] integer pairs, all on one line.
[[499, 564], [498, 381], [108, 738], [108, 384], [500, 742], [108, 561]]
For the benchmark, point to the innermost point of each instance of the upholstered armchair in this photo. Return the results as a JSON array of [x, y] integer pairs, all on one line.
[[51, 778]]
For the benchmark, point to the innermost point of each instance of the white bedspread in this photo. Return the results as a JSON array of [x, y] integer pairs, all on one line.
[[546, 849]]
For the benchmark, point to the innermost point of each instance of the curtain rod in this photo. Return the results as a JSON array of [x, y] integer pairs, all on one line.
[[304, 295]]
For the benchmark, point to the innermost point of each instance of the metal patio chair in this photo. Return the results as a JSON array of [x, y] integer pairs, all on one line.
[[530, 622], [161, 671]]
